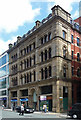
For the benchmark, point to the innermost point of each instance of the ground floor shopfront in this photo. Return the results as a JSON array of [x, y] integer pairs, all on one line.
[[55, 94], [4, 101]]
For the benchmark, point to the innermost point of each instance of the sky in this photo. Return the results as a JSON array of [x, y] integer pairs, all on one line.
[[17, 17]]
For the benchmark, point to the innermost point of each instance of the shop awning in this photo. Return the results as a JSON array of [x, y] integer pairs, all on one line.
[[24, 99], [13, 100]]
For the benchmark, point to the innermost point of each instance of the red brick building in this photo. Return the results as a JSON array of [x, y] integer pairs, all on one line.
[[76, 60]]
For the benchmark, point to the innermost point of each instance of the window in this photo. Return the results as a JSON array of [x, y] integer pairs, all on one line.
[[78, 57], [49, 53], [64, 34], [45, 54], [72, 71], [64, 52], [49, 71], [34, 59], [78, 72], [41, 56], [72, 38], [21, 53], [45, 38], [77, 41], [27, 49], [41, 41], [30, 77], [30, 47], [24, 51], [72, 54], [34, 76], [64, 72], [27, 63], [42, 74], [49, 36], [45, 72], [30, 61], [27, 77], [34, 45]]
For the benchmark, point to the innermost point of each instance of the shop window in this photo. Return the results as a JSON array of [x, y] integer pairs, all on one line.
[[65, 91], [71, 38], [78, 57], [78, 72], [72, 54], [78, 41], [49, 71], [45, 72], [49, 36], [49, 53], [41, 41], [41, 56], [45, 54], [72, 71], [64, 34]]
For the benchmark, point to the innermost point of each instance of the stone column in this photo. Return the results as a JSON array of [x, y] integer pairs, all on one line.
[[9, 99], [54, 97], [18, 97], [69, 95], [57, 100]]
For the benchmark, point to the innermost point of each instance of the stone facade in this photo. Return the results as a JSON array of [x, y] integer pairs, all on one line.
[[43, 59]]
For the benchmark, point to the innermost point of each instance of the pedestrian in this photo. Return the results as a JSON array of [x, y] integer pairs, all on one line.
[[22, 110], [2, 106]]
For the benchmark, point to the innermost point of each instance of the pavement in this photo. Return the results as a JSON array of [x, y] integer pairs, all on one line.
[[39, 112]]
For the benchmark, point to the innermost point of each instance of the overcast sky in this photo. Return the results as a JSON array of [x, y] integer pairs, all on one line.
[[19, 16]]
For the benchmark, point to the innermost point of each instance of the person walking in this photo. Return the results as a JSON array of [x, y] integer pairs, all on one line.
[[22, 110]]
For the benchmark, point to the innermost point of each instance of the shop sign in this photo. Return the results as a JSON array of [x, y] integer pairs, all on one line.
[[24, 99], [42, 98]]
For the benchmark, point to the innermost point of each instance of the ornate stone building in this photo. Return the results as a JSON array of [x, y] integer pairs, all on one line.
[[40, 64]]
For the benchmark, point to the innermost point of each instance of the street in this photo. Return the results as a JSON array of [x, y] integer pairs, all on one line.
[[39, 115]]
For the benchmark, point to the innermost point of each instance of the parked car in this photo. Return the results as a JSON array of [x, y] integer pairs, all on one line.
[[26, 109], [75, 112]]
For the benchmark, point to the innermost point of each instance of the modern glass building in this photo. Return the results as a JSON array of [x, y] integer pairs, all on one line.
[[4, 78]]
